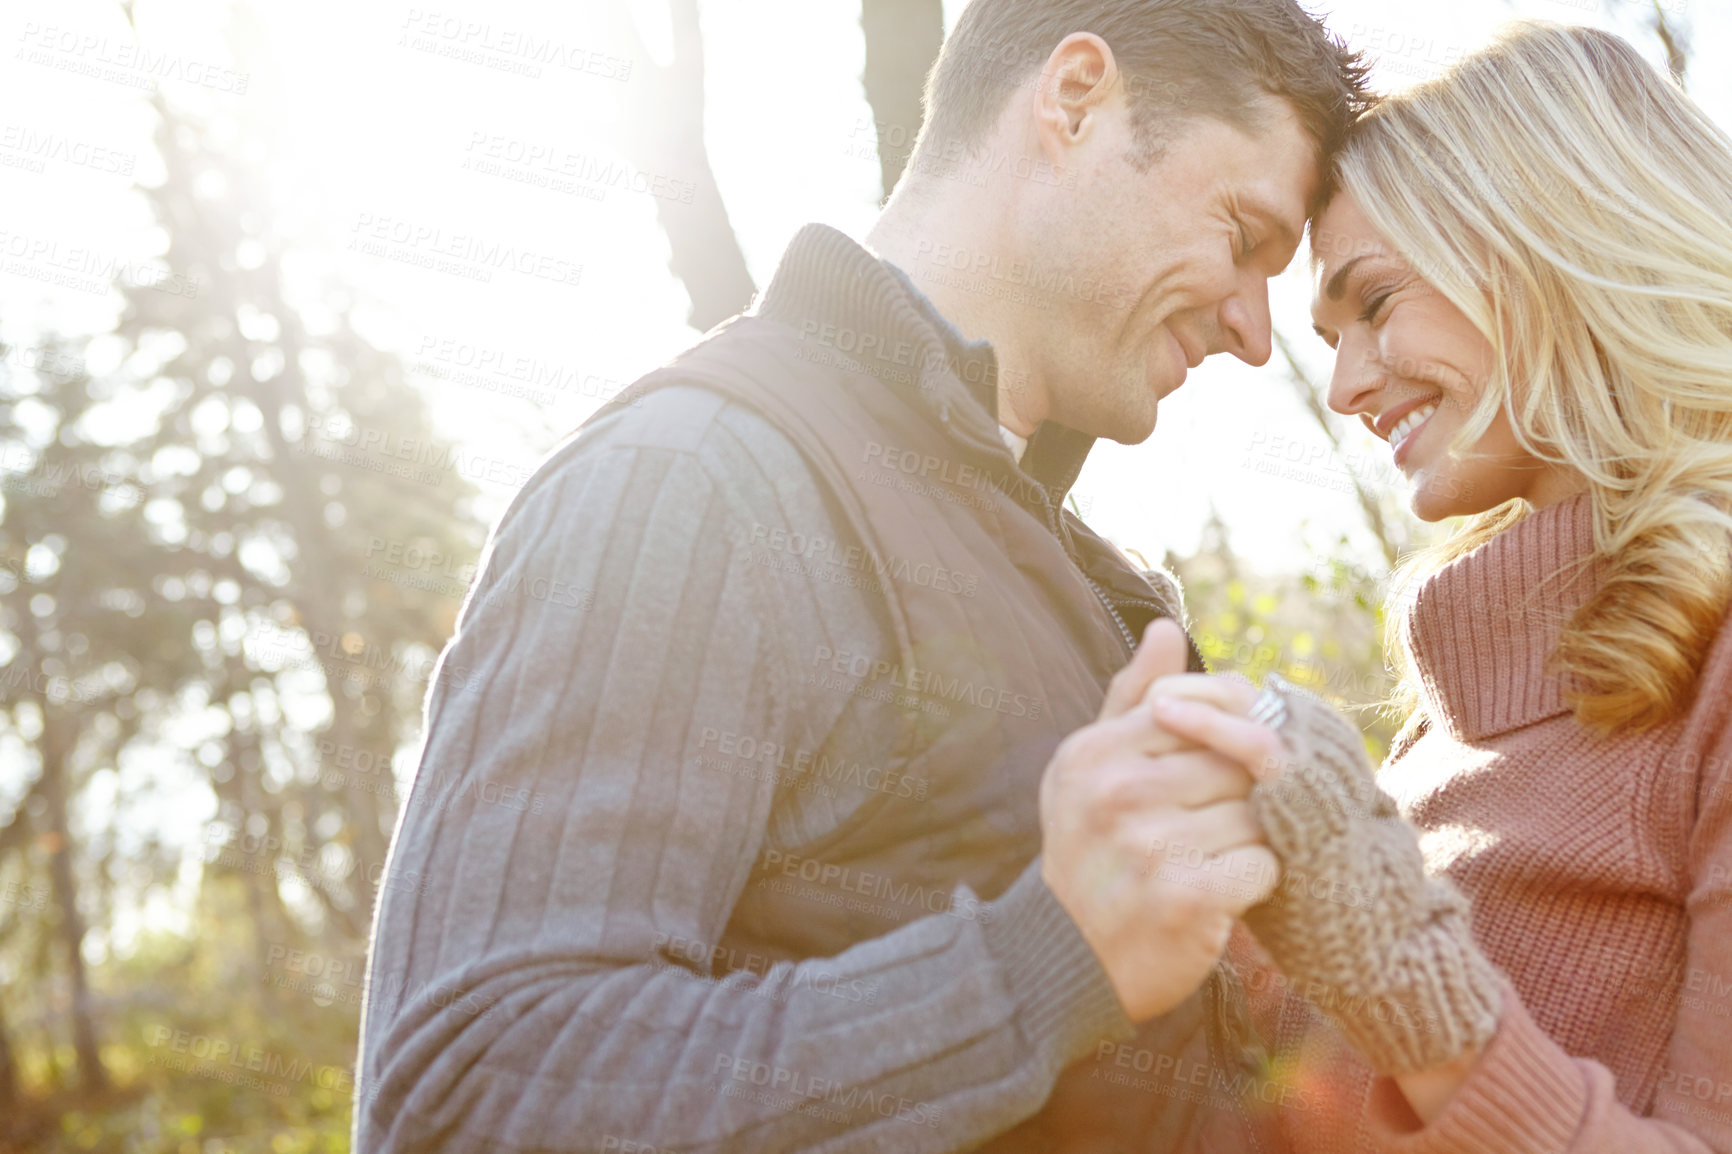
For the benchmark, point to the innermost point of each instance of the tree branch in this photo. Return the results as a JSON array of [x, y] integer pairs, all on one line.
[[1368, 504]]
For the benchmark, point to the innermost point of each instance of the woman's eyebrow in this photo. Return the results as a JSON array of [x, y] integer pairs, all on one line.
[[1338, 283]]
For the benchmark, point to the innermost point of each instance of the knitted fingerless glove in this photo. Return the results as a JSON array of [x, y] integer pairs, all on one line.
[[1365, 935]]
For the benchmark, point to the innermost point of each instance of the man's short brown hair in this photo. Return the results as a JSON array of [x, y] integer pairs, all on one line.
[[1180, 59]]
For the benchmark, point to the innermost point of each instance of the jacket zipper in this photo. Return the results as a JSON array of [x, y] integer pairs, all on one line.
[[1052, 524], [1124, 630]]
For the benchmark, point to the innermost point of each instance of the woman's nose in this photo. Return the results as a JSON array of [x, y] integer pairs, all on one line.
[[1354, 381]]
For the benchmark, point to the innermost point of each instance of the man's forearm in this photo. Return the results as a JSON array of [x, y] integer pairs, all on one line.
[[965, 1027]]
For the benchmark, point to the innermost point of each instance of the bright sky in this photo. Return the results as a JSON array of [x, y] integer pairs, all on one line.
[[361, 116]]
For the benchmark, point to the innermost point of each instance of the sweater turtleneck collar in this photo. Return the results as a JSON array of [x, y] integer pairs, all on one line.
[[1483, 628]]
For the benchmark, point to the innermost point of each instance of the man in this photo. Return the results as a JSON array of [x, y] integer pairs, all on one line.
[[821, 819]]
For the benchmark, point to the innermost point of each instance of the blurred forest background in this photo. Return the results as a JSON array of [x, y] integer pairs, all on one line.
[[199, 570]]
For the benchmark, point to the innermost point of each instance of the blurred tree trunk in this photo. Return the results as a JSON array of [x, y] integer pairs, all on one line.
[[902, 41], [13, 837], [663, 135], [56, 749], [8, 1071]]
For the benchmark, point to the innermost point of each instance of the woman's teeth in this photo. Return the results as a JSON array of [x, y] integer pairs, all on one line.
[[1410, 422]]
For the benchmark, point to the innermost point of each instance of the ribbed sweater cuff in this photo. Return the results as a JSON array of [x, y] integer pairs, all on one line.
[[1066, 1002], [1525, 1093]]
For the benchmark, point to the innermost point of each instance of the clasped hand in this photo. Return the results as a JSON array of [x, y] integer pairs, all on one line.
[[1149, 841], [1381, 946]]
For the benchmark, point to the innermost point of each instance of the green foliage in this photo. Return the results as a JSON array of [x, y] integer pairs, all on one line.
[[1322, 628]]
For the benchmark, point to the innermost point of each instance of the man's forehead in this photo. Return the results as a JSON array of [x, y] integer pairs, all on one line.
[[1281, 200], [1280, 170]]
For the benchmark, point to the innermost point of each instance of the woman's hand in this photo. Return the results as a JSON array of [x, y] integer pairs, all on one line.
[[1368, 937]]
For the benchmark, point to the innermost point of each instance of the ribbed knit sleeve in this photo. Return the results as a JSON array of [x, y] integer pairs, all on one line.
[[530, 982], [1526, 1094]]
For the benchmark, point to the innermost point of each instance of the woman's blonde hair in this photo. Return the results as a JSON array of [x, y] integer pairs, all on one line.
[[1576, 206]]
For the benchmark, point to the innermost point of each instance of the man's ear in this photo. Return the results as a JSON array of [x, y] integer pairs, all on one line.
[[1080, 78]]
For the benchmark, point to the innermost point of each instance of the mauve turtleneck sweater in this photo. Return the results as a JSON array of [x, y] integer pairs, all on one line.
[[1600, 872]]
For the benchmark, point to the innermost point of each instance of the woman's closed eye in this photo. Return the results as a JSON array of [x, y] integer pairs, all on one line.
[[1374, 303]]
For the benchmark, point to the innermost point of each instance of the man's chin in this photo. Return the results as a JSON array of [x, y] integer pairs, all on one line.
[[1127, 417], [1128, 428]]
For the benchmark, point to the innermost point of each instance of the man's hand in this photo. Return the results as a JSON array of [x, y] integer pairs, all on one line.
[[1365, 919], [1148, 841]]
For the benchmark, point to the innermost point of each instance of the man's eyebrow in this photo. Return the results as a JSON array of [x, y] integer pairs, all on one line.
[[1338, 283]]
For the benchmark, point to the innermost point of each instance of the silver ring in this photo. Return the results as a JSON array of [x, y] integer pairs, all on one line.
[[1270, 708]]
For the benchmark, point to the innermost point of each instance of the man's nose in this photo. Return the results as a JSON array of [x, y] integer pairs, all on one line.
[[1244, 321]]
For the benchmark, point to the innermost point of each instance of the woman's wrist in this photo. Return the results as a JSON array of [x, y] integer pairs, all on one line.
[[1429, 1091]]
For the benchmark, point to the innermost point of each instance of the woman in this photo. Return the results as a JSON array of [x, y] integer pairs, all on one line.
[[1525, 270]]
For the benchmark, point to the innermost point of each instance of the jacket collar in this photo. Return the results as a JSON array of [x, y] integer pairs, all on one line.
[[827, 279]]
